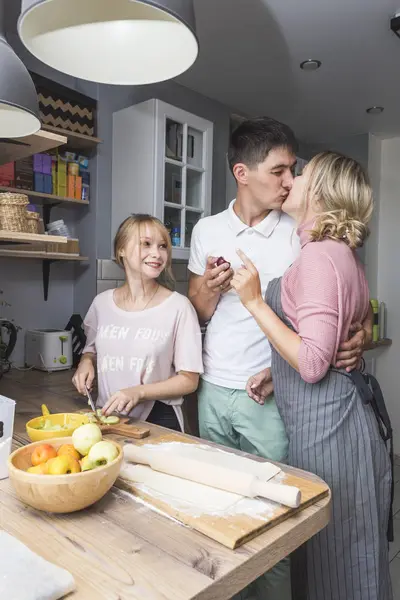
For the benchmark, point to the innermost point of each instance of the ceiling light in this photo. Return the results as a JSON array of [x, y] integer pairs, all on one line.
[[395, 23], [19, 107], [310, 65], [375, 110], [122, 42]]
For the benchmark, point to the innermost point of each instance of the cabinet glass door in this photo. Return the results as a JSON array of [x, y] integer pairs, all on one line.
[[184, 180]]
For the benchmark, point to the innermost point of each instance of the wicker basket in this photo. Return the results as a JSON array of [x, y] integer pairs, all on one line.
[[32, 222], [13, 212]]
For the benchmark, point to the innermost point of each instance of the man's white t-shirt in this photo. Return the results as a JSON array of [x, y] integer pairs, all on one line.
[[235, 347]]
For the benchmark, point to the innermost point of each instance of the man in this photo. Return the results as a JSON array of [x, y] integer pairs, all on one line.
[[262, 158]]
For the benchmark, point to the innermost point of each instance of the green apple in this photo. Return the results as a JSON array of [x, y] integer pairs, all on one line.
[[102, 453], [86, 436], [87, 464]]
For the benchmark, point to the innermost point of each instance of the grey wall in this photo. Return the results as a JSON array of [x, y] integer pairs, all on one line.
[[355, 146]]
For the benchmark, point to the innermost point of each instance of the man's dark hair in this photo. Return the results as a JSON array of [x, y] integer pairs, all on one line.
[[253, 140]]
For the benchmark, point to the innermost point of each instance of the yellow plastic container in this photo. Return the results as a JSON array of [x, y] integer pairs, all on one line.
[[73, 420]]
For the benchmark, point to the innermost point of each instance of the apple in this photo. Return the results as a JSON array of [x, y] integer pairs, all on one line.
[[86, 436], [102, 453], [69, 450], [42, 454], [86, 464], [63, 465], [41, 469]]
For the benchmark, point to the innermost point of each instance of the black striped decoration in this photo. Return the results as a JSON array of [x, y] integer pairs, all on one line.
[[65, 108]]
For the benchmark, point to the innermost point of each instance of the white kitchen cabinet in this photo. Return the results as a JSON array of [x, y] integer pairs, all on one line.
[[162, 165]]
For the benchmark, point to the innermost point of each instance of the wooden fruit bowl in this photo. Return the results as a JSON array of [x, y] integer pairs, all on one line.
[[60, 493]]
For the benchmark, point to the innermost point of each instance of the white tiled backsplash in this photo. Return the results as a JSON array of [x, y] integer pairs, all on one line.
[[110, 275]]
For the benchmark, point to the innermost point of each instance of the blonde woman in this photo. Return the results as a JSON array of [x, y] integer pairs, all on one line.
[[144, 339], [331, 417]]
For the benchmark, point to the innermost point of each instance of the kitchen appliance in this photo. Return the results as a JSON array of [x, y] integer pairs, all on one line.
[[48, 349], [7, 344]]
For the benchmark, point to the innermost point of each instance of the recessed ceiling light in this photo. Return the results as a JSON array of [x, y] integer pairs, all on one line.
[[375, 110], [310, 65]]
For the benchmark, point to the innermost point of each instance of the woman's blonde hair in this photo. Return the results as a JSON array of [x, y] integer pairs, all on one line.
[[132, 226], [341, 187]]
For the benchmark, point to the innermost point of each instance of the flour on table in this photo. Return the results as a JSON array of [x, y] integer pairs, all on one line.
[[194, 498]]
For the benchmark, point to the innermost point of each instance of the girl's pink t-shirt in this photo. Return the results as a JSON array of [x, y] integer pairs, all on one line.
[[134, 348]]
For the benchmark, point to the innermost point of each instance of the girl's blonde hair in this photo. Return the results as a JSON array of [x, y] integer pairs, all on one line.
[[132, 226], [341, 187]]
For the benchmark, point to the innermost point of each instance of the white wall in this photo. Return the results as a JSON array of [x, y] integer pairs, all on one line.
[[383, 257], [372, 244]]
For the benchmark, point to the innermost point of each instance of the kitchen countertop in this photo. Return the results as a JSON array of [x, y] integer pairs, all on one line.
[[120, 549]]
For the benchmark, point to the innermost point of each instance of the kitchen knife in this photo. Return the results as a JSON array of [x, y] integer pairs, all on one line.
[[90, 399]]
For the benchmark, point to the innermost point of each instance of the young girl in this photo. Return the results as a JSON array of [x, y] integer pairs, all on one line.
[[144, 339], [335, 422]]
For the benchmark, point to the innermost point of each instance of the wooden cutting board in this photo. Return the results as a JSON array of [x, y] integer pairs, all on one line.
[[122, 428], [231, 530]]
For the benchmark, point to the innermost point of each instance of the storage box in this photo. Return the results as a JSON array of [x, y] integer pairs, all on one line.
[[39, 182], [7, 174], [46, 164], [24, 173], [48, 184], [54, 174], [73, 246], [61, 176], [78, 188], [71, 186], [62, 191], [37, 163], [84, 173]]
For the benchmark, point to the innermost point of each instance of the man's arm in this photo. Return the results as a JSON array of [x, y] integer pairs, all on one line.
[[205, 290]]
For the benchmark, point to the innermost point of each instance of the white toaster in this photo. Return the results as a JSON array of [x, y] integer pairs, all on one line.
[[48, 349]]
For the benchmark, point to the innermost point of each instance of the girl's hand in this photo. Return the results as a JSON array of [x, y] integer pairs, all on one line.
[[124, 401], [84, 375], [246, 282]]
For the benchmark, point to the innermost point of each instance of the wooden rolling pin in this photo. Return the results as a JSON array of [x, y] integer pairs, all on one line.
[[222, 478]]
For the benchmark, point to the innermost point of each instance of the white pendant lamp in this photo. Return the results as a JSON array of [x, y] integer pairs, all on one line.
[[19, 107], [122, 42]]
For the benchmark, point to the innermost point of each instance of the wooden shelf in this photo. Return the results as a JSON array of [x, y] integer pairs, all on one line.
[[41, 198], [46, 139], [79, 141], [16, 237], [379, 344], [42, 141], [42, 255]]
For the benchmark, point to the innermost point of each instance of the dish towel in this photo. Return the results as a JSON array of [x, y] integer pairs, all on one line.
[[25, 575]]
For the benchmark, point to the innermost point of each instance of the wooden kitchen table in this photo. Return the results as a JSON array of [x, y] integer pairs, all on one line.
[[120, 549]]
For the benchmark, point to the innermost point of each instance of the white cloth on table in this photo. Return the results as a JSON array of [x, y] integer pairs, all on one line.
[[25, 575]]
